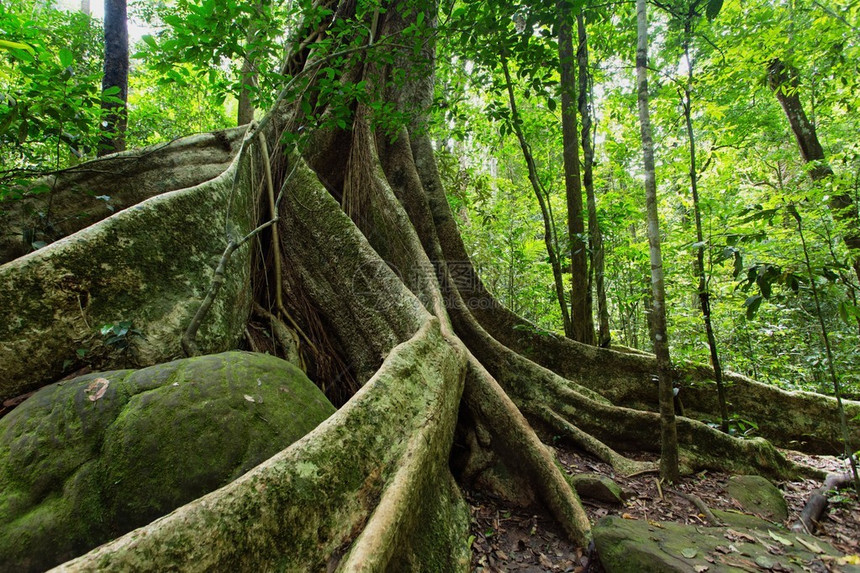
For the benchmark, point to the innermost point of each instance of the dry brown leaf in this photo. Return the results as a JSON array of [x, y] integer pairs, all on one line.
[[733, 535], [97, 388], [814, 547]]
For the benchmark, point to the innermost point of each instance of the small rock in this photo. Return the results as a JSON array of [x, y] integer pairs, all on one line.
[[598, 488]]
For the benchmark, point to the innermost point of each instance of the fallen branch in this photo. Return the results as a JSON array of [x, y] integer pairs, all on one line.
[[814, 508], [701, 506]]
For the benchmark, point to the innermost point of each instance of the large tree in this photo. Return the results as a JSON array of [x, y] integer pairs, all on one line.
[[367, 271]]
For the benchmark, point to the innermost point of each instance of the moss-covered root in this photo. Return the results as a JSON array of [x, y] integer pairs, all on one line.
[[532, 387], [518, 444], [304, 509], [621, 464], [702, 446], [799, 420]]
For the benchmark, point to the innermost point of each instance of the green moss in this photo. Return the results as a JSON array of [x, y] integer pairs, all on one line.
[[634, 546], [76, 472], [150, 264], [757, 495], [440, 541]]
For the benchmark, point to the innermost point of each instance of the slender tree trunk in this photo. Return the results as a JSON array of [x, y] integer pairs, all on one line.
[[249, 73], [784, 83], [538, 189], [85, 7], [704, 293], [249, 81], [580, 312], [837, 387], [669, 469], [115, 76], [594, 234]]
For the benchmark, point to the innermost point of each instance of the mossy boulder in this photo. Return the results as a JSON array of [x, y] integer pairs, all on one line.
[[757, 495], [84, 461], [635, 546]]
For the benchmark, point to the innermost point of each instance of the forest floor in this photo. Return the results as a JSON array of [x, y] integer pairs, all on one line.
[[510, 538]]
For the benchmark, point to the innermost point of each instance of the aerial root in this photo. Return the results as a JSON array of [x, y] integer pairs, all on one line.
[[284, 336]]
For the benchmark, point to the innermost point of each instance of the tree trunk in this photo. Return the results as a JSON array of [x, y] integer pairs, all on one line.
[[580, 312], [604, 338], [115, 76], [85, 7], [537, 187], [249, 72], [669, 438], [784, 82], [703, 291], [397, 327]]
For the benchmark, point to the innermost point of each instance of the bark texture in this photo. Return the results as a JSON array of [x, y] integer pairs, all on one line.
[[582, 322], [595, 236]]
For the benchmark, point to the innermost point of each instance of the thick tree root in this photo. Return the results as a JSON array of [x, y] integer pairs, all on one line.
[[519, 446], [588, 443], [148, 265], [533, 387], [123, 179], [798, 420], [370, 488]]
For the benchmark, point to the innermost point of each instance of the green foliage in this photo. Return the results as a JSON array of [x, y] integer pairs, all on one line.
[[161, 111], [187, 76], [50, 90], [119, 336], [749, 166]]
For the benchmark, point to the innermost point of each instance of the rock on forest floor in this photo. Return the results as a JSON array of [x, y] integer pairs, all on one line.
[[509, 538]]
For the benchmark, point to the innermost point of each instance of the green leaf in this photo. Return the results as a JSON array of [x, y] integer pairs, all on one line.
[[550, 103], [713, 8], [149, 40], [843, 312], [67, 58], [753, 303], [24, 55], [9, 45]]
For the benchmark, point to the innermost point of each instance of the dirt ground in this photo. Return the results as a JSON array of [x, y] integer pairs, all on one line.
[[509, 538]]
